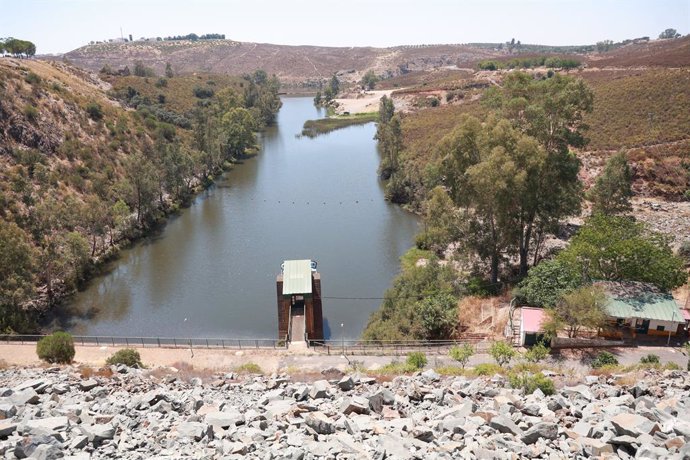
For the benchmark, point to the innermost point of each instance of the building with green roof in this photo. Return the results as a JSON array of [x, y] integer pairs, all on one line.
[[643, 308]]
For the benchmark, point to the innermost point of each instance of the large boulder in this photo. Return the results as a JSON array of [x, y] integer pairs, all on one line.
[[543, 430], [633, 425]]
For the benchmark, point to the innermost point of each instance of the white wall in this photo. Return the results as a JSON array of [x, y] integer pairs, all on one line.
[[668, 325]]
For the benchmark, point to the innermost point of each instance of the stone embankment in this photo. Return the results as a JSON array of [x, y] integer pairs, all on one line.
[[134, 414]]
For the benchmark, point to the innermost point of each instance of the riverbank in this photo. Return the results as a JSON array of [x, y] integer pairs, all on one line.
[[364, 102]]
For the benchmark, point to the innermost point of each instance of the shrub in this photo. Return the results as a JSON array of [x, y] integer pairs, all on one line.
[[537, 353], [30, 112], [249, 368], [649, 359], [530, 383], [502, 353], [56, 348], [203, 93], [604, 359], [162, 83], [127, 356], [416, 360], [462, 354], [94, 110], [32, 78], [487, 369]]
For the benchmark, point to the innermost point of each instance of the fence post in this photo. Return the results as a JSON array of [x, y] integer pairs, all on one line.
[[159, 341], [142, 342], [222, 342], [207, 344], [97, 342], [239, 342], [175, 342], [127, 341]]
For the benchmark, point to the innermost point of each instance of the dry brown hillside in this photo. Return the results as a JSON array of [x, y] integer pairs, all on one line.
[[294, 65]]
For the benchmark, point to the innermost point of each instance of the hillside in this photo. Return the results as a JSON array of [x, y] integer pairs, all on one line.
[[295, 65], [83, 173]]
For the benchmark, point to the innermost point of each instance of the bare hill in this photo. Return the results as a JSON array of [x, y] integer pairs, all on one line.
[[294, 65]]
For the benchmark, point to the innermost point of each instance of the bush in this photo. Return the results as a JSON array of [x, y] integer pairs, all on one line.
[[32, 78], [502, 353], [531, 382], [30, 112], [537, 353], [604, 359], [127, 356], [416, 360], [249, 368], [56, 348], [94, 110], [649, 359], [462, 354], [203, 93], [487, 369]]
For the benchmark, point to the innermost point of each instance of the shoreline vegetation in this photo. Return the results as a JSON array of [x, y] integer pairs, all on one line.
[[76, 193], [314, 128]]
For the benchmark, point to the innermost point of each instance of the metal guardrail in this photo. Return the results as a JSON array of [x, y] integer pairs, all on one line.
[[158, 342], [392, 347]]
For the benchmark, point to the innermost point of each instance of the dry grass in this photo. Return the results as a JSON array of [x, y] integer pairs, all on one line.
[[88, 372], [483, 315], [185, 372], [249, 368]]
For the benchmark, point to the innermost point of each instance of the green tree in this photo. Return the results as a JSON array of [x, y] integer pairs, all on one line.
[[168, 70], [369, 80], [441, 221], [238, 132], [439, 316], [617, 248], [537, 353], [669, 33], [317, 99], [56, 348], [17, 277], [334, 85], [502, 352], [398, 317], [462, 354], [581, 308], [552, 112], [612, 190], [547, 282], [142, 177]]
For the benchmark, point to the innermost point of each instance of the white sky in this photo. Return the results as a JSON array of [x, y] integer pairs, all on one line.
[[61, 25]]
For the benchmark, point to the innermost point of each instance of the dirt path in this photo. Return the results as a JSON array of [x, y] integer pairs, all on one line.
[[305, 361]]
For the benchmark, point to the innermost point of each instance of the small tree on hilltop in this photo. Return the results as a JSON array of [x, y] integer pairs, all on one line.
[[612, 191], [669, 33]]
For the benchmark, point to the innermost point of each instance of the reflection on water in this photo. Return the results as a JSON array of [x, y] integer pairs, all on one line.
[[211, 271]]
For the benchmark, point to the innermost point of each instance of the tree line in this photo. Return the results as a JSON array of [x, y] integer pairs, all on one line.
[[17, 48], [495, 189], [50, 244]]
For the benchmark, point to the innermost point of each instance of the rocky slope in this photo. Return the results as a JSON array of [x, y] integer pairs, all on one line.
[[127, 413], [294, 65]]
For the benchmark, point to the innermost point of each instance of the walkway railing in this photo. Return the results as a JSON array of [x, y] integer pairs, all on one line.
[[158, 342], [392, 347]]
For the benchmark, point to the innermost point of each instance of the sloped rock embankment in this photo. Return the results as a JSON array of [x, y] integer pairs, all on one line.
[[55, 413]]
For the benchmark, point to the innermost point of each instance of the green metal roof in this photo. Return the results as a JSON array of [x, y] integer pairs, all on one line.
[[296, 277], [640, 300]]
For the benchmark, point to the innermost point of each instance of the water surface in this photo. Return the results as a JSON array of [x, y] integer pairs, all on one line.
[[211, 271]]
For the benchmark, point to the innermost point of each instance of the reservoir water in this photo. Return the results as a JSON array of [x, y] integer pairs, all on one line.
[[211, 271]]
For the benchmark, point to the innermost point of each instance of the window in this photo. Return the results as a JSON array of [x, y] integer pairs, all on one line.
[[660, 328]]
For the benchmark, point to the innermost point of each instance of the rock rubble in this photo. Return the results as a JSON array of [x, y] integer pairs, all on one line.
[[133, 414]]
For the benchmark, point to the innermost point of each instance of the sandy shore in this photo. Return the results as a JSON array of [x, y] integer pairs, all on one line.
[[365, 102]]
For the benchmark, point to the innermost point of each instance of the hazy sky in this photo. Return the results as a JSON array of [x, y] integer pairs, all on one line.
[[61, 25]]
